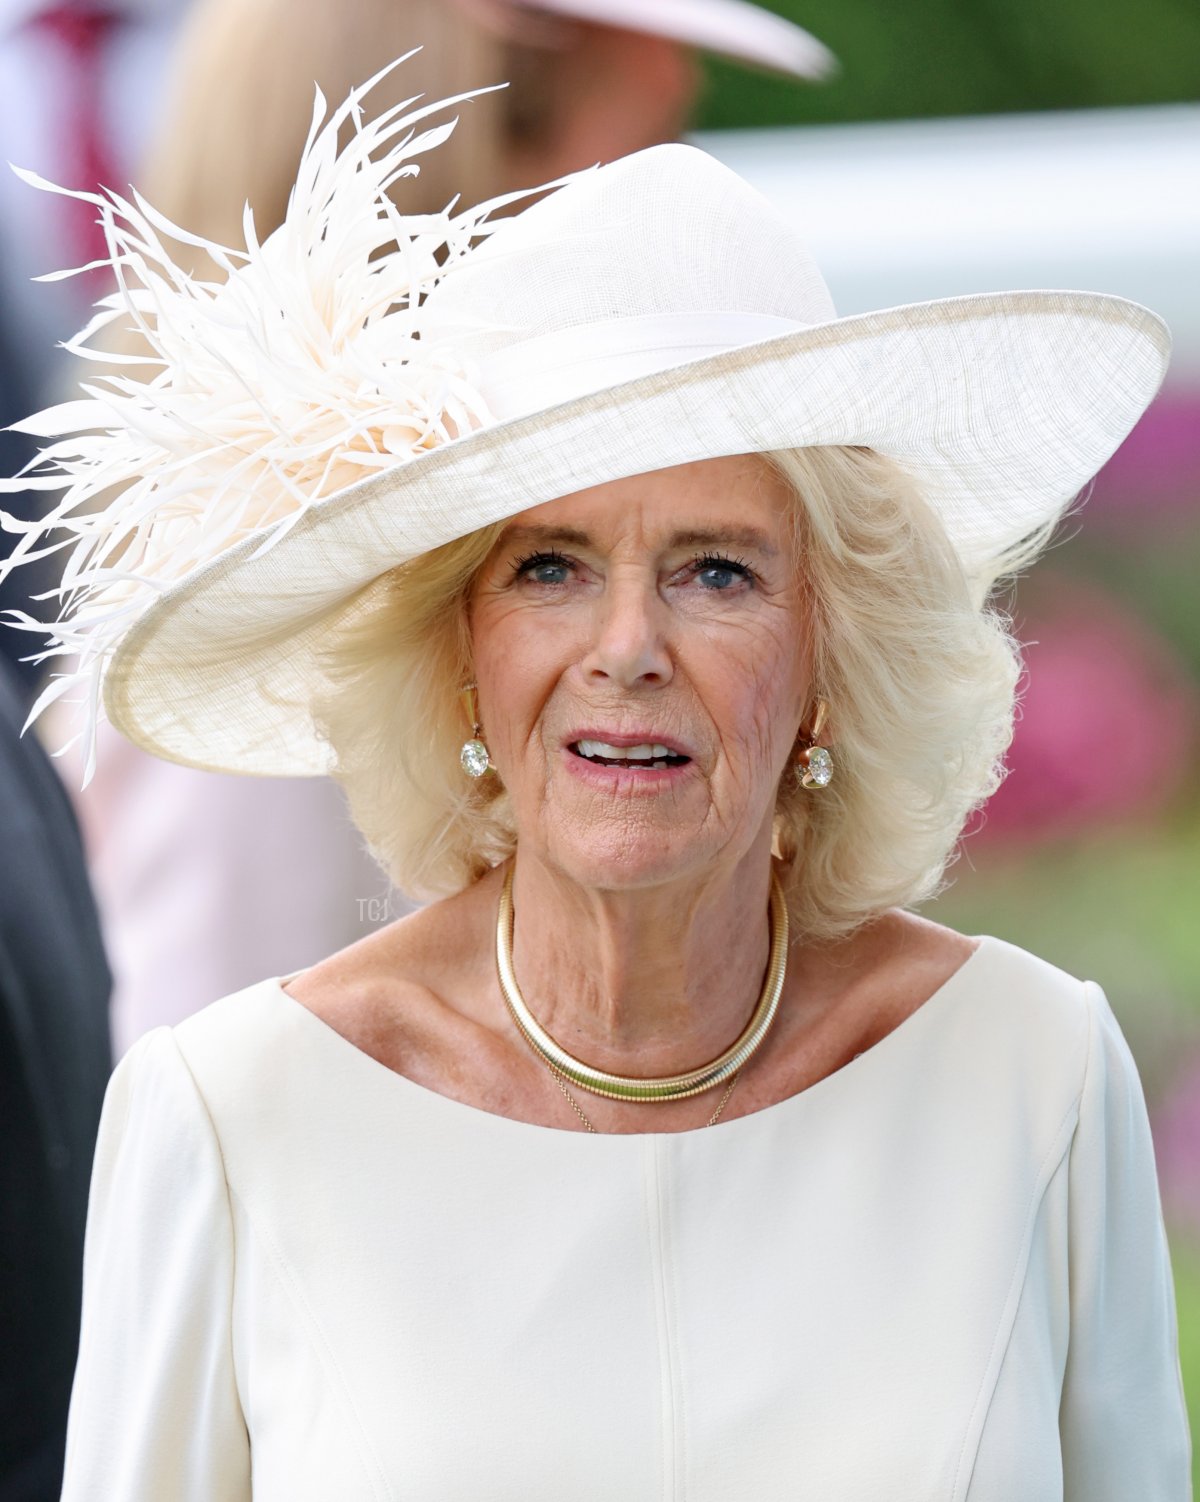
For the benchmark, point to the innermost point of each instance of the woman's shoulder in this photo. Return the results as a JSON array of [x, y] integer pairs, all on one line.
[[919, 958], [275, 1082], [990, 1005], [1003, 1046], [1017, 1003], [232, 1046], [386, 1000], [938, 947]]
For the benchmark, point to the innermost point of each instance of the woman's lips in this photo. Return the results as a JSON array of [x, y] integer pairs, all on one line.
[[626, 774]]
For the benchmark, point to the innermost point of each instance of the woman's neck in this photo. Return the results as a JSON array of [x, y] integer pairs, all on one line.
[[647, 981]]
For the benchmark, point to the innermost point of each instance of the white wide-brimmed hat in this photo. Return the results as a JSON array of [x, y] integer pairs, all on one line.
[[731, 28], [365, 387]]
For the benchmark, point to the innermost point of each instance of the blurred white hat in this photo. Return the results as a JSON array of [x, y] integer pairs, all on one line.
[[730, 28]]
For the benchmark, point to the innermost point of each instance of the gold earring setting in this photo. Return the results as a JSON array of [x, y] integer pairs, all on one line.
[[474, 754], [813, 763]]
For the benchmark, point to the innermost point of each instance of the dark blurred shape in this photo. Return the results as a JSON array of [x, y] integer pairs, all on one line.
[[55, 1060]]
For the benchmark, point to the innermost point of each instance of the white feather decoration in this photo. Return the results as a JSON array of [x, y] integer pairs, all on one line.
[[298, 374]]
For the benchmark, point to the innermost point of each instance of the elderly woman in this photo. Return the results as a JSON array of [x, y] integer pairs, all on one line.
[[207, 882], [641, 606]]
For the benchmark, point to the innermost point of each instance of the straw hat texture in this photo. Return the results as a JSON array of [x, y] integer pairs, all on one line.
[[365, 387]]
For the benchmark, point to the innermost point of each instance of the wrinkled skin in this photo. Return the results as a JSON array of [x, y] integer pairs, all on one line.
[[666, 606]]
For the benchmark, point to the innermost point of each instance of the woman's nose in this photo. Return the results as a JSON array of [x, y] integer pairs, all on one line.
[[629, 647]]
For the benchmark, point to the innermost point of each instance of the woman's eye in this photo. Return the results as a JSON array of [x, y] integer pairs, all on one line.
[[543, 568], [721, 573]]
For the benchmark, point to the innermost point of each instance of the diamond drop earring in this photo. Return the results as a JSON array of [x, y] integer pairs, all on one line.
[[474, 754], [813, 763]]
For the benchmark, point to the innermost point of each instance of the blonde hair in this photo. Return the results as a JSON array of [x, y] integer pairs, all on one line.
[[921, 679], [241, 101]]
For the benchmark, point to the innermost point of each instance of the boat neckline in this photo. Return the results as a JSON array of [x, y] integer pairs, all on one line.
[[861, 1063]]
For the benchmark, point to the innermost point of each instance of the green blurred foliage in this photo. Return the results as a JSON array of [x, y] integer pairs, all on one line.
[[1154, 572], [1118, 907], [1186, 1260], [968, 57]]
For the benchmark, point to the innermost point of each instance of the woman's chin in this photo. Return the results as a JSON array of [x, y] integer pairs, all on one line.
[[613, 864]]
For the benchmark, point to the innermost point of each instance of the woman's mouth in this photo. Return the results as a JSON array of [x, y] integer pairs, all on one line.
[[648, 756]]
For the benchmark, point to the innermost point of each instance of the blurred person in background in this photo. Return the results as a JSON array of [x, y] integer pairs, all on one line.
[[207, 882], [81, 84], [54, 1065], [80, 91]]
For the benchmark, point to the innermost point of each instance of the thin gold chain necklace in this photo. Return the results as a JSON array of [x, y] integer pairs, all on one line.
[[568, 1069], [587, 1125]]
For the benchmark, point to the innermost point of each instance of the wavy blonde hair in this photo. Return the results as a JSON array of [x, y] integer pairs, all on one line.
[[919, 669]]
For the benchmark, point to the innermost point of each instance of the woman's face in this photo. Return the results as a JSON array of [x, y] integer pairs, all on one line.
[[642, 655]]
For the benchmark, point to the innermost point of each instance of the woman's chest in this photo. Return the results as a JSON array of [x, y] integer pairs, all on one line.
[[674, 1320]]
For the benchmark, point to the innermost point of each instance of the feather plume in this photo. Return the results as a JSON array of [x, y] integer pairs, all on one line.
[[299, 373]]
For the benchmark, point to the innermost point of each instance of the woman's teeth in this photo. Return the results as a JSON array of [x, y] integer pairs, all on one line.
[[650, 754]]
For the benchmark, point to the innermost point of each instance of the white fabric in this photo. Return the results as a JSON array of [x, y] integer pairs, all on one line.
[[939, 1275]]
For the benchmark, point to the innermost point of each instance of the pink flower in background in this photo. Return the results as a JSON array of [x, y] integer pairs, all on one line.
[[1154, 477], [1108, 722]]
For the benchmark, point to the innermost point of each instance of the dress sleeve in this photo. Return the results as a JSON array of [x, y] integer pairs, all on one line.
[[1122, 1418], [155, 1415]]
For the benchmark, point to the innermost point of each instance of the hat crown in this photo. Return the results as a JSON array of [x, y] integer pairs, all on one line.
[[620, 242]]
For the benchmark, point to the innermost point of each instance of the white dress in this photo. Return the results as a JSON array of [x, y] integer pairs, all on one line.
[[938, 1275]]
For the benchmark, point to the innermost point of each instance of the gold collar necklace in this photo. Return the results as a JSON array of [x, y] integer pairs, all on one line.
[[632, 1087]]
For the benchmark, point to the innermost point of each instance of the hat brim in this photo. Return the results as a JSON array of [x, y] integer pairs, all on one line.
[[1000, 407], [735, 29]]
